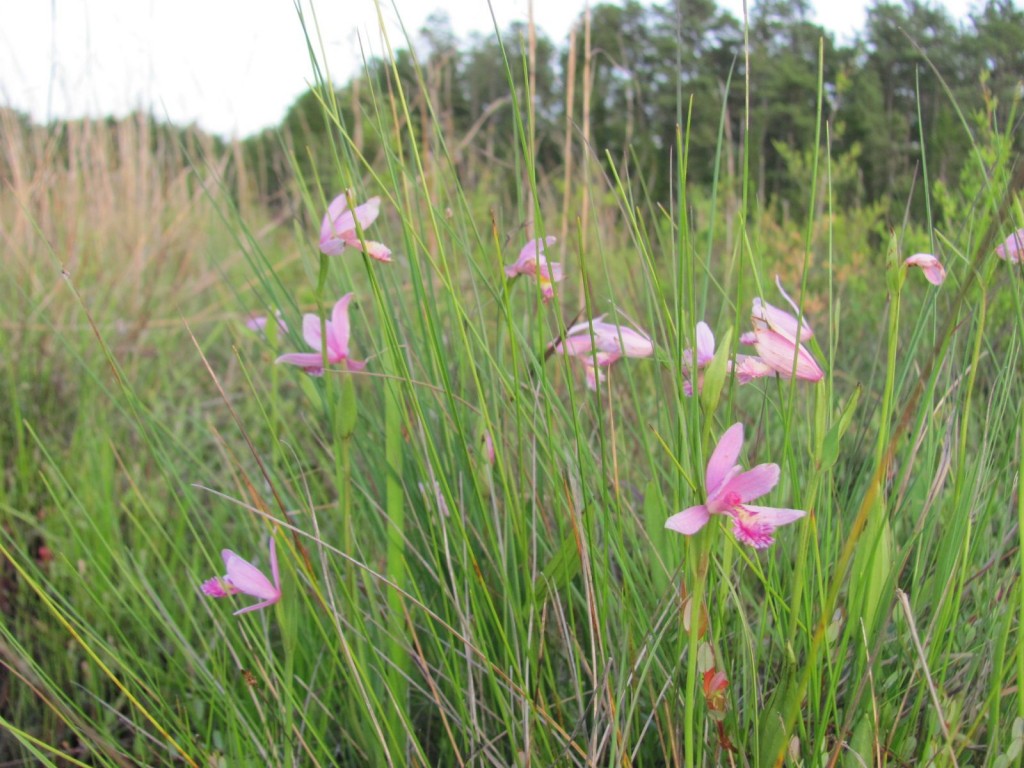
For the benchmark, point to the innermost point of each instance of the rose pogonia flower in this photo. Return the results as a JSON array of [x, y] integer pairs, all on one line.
[[777, 336], [531, 261], [339, 228], [337, 342], [729, 489], [600, 344], [258, 323], [243, 577], [1012, 248], [933, 270]]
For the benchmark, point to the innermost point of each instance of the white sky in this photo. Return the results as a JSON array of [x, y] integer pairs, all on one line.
[[235, 66]]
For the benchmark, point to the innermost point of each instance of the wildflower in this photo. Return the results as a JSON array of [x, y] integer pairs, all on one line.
[[598, 344], [339, 228], [1012, 248], [933, 270], [337, 342], [531, 261], [729, 489], [258, 323], [777, 336], [715, 683], [245, 578]]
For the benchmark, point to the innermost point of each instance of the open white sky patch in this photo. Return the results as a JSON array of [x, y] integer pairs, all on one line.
[[235, 66]]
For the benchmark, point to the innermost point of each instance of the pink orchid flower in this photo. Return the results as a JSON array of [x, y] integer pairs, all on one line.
[[243, 577], [337, 342], [933, 270], [338, 229], [531, 261], [729, 489], [258, 323], [600, 344], [777, 336], [1012, 248]]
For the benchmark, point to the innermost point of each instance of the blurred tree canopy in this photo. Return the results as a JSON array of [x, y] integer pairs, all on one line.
[[888, 98]]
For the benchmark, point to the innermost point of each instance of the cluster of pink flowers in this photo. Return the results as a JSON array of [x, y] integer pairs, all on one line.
[[778, 337], [329, 339]]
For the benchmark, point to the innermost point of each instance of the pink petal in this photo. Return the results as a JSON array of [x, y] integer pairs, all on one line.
[[249, 579], [256, 323], [311, 362], [805, 328], [778, 352], [216, 587], [1012, 247], [531, 250], [705, 342], [625, 341], [311, 331], [723, 458], [338, 330], [753, 483], [689, 521], [933, 270], [756, 525], [753, 532], [776, 516], [749, 368], [336, 222], [574, 346], [367, 213], [379, 251]]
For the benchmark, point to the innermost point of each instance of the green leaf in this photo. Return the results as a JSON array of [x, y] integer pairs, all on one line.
[[560, 570], [830, 448], [714, 374]]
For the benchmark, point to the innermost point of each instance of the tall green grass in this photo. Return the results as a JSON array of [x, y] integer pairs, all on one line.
[[541, 615]]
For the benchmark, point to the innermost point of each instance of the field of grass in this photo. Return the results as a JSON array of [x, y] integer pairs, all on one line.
[[473, 563]]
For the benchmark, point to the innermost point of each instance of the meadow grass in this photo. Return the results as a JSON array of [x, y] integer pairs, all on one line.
[[446, 605]]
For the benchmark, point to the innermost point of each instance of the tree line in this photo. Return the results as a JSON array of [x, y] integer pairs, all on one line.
[[908, 87]]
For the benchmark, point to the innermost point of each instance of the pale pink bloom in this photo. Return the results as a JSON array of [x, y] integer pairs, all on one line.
[[258, 323], [705, 347], [729, 489], [598, 344], [531, 261], [339, 228], [933, 270], [1012, 248], [243, 577], [777, 336], [337, 342]]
